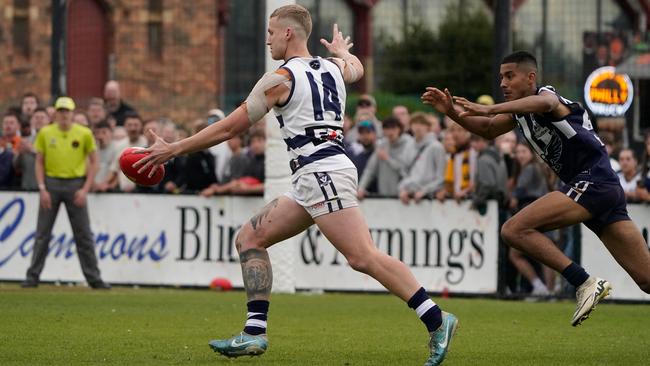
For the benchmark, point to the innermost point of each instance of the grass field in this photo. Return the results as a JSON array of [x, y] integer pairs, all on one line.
[[77, 326]]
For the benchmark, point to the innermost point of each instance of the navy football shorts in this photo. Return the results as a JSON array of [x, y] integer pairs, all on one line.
[[604, 200]]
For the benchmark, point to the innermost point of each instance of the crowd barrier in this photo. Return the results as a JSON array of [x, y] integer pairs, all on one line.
[[188, 240]]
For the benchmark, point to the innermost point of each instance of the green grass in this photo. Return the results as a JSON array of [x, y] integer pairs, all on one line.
[[77, 326]]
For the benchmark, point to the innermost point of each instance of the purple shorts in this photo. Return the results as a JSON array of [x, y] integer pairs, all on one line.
[[604, 200]]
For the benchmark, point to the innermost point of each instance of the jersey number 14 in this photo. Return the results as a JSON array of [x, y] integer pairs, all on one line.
[[330, 101]]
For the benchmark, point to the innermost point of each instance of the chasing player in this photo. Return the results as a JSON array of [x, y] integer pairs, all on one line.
[[560, 131], [307, 95]]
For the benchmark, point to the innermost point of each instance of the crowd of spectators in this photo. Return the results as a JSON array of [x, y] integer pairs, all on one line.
[[410, 156], [236, 167]]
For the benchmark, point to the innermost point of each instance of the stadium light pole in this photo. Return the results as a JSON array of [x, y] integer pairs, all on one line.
[[278, 179], [502, 42], [58, 84]]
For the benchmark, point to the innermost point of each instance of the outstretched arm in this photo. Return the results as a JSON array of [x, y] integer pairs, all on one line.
[[485, 125], [540, 103], [267, 93], [340, 48]]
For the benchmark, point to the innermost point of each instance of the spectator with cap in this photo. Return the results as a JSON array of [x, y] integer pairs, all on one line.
[[221, 152], [66, 163], [389, 163], [363, 149], [366, 111], [115, 105], [426, 171]]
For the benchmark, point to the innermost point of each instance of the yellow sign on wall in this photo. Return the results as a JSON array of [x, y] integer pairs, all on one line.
[[608, 93]]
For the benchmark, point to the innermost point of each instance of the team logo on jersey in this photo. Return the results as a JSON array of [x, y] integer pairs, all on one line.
[[551, 144], [75, 144], [323, 179], [325, 133], [314, 64]]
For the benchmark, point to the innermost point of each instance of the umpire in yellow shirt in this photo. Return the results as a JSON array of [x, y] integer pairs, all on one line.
[[66, 163]]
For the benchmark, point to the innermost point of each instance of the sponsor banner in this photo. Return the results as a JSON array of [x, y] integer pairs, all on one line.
[[445, 245], [608, 93], [599, 262], [189, 240]]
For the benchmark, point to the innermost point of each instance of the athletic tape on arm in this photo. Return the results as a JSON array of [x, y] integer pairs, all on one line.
[[256, 101], [343, 65]]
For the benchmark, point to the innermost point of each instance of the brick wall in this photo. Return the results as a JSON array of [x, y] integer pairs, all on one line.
[[19, 74], [183, 84]]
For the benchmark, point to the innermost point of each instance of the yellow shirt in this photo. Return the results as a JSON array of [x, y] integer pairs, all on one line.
[[65, 152]]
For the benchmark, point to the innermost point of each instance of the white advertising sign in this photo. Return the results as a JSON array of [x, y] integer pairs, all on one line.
[[599, 262], [188, 240]]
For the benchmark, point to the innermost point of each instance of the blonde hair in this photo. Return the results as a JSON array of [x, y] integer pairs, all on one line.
[[421, 118], [297, 15]]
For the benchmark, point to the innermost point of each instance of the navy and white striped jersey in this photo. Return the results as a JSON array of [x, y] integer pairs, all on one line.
[[311, 121], [568, 145]]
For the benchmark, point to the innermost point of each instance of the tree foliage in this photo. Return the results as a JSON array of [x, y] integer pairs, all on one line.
[[458, 56]]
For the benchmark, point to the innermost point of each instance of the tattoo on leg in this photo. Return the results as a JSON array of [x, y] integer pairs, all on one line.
[[257, 273], [238, 244], [256, 220]]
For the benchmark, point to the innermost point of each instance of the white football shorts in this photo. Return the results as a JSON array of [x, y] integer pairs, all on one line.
[[321, 193]]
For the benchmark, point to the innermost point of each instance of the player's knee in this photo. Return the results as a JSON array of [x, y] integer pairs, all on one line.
[[247, 239], [513, 233], [360, 263], [509, 233]]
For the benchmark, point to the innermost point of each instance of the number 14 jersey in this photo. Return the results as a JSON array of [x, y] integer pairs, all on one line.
[[311, 120]]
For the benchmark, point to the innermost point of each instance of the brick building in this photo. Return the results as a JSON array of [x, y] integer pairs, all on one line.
[[165, 54]]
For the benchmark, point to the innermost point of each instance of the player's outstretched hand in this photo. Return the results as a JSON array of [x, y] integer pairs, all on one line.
[[156, 154], [472, 109], [441, 101], [339, 46]]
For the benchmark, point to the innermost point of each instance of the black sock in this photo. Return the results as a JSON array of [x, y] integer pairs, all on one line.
[[257, 314], [575, 274], [426, 309]]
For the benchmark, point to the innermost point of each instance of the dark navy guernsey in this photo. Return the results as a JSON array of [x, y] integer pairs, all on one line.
[[568, 145]]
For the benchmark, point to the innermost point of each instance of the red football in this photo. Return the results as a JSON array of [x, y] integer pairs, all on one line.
[[128, 157]]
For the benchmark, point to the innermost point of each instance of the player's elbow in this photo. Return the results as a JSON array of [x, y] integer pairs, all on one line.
[[361, 71], [547, 105], [229, 133]]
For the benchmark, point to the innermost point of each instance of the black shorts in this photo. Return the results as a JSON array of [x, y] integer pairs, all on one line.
[[604, 200]]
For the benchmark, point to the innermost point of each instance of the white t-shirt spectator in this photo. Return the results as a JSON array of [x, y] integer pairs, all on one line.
[[629, 186]]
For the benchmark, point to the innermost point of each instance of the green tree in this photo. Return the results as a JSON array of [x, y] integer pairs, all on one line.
[[458, 56]]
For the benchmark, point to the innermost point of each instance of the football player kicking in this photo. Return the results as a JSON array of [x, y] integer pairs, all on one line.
[[560, 132], [307, 95]]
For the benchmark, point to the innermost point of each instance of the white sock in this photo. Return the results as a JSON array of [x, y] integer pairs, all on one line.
[[538, 284]]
